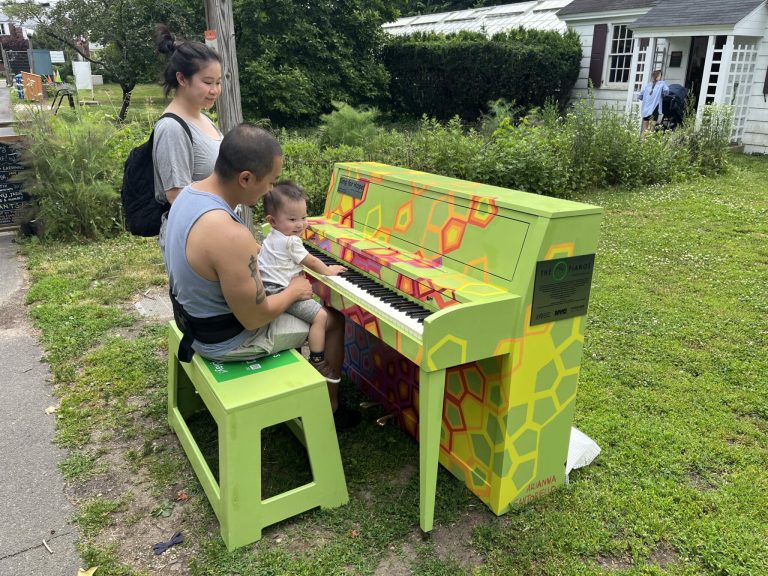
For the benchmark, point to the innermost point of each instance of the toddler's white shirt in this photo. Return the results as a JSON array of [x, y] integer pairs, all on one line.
[[280, 258]]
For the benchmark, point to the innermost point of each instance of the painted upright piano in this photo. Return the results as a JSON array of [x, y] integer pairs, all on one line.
[[466, 308]]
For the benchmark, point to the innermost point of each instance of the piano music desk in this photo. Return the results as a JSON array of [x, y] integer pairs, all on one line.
[[466, 312]]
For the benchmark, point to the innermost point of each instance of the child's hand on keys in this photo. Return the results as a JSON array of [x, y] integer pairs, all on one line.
[[335, 270]]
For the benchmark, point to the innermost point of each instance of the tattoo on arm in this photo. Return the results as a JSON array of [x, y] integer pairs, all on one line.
[[253, 265]]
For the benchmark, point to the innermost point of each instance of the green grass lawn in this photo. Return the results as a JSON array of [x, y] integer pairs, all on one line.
[[672, 387], [147, 100]]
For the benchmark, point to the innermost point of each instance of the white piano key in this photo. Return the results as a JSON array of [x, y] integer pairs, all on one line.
[[376, 306]]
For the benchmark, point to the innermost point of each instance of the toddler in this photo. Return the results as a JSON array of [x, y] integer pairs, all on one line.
[[283, 256]]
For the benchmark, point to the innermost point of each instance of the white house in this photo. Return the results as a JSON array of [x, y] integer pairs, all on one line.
[[716, 48]]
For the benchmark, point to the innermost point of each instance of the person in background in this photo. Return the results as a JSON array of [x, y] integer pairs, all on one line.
[[651, 97], [193, 75], [284, 257]]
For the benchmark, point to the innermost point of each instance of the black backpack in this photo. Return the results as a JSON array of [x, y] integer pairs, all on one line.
[[143, 214]]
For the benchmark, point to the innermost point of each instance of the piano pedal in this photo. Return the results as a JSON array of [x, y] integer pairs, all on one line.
[[368, 404], [386, 418]]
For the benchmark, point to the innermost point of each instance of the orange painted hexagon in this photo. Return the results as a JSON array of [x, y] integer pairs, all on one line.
[[452, 234], [404, 217], [483, 210]]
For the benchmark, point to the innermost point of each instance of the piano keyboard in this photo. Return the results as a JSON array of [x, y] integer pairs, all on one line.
[[399, 311]]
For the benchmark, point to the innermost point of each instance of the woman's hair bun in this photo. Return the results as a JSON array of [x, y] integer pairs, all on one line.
[[164, 40]]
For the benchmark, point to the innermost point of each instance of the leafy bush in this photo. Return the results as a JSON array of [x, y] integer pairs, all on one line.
[[310, 165], [348, 126], [75, 171], [458, 74], [447, 149], [709, 144], [498, 110]]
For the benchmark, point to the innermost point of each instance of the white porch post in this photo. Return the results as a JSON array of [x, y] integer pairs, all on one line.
[[633, 76], [705, 79], [725, 71]]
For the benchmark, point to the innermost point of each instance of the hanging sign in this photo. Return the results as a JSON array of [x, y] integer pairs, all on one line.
[[211, 41], [13, 200]]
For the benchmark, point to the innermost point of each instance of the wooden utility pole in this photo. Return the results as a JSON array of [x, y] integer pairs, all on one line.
[[221, 34]]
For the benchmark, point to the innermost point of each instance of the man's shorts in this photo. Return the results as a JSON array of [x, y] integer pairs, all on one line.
[[304, 309], [283, 333], [653, 115]]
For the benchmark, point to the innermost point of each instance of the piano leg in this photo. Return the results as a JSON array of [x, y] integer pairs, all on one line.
[[431, 391]]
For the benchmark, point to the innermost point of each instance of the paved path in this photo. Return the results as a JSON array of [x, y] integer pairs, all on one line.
[[33, 507], [6, 115]]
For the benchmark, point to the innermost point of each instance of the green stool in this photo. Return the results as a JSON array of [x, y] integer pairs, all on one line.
[[244, 398]]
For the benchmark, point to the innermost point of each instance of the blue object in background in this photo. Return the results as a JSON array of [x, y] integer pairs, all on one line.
[[17, 81]]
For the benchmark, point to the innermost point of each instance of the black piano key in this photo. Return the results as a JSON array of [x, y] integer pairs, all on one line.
[[374, 288], [423, 314], [391, 298]]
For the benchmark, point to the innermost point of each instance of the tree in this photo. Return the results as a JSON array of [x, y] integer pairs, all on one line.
[[124, 29], [297, 57]]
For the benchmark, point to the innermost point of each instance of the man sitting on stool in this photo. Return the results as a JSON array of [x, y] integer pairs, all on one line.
[[212, 260]]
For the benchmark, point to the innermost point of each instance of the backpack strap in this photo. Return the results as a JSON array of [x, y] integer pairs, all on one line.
[[181, 121]]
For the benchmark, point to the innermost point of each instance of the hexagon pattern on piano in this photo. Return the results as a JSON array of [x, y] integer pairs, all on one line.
[[503, 418], [467, 252]]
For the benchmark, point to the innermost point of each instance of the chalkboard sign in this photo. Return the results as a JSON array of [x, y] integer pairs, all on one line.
[[13, 199]]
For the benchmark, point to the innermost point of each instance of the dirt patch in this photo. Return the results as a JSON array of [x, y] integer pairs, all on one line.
[[701, 482], [622, 562], [404, 475], [398, 560], [134, 529], [664, 554], [454, 542]]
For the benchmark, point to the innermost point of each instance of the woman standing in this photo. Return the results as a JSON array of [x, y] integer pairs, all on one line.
[[193, 74], [651, 97]]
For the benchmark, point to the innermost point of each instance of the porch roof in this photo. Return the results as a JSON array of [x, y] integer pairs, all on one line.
[[676, 13]]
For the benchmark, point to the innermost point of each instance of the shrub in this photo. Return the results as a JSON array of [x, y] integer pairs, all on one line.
[[442, 76], [498, 110], [447, 149], [348, 126], [310, 165], [530, 157], [709, 143], [75, 168]]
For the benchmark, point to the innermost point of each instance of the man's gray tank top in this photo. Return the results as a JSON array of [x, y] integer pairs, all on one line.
[[200, 297]]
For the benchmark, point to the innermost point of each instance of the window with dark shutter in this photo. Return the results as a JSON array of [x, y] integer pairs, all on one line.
[[598, 53]]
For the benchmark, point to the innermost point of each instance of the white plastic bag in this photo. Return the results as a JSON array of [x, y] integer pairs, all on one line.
[[581, 451]]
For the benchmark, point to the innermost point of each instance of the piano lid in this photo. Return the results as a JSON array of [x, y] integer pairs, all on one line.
[[466, 193]]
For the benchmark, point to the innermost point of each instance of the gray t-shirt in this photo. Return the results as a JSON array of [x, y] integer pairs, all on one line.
[[179, 162]]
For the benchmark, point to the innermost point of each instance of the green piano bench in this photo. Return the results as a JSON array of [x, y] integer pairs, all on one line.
[[244, 398]]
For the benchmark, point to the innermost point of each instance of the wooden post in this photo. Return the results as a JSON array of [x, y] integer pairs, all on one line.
[[7, 67], [218, 14]]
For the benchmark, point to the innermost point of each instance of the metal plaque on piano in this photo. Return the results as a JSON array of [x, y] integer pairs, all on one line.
[[561, 289], [352, 187]]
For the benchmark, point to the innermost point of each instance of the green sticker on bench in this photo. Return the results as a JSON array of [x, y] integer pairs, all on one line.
[[224, 371]]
